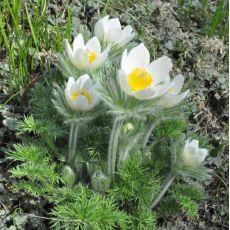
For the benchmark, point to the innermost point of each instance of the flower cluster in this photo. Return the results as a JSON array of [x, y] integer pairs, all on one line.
[[138, 77], [139, 80], [119, 173]]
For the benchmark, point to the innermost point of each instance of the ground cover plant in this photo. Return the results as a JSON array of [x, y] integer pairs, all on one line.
[[106, 139]]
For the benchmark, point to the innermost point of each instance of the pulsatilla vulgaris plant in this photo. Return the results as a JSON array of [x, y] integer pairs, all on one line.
[[108, 147]]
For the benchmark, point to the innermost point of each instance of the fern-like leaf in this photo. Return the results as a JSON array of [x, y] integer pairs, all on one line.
[[87, 210]]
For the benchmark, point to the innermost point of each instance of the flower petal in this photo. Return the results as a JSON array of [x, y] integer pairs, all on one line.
[[93, 93], [78, 42], [100, 27], [177, 83], [123, 80], [81, 103], [182, 96], [69, 84], [75, 87], [126, 39], [202, 153], [68, 49], [160, 68], [137, 57], [100, 59], [161, 88], [145, 94], [94, 45], [81, 59], [126, 35], [192, 148], [194, 144], [113, 35], [170, 100], [127, 30], [124, 60], [114, 23], [84, 82]]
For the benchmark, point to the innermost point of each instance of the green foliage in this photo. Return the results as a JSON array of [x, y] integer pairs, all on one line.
[[81, 208], [194, 191], [219, 19], [37, 173], [28, 153], [27, 32], [187, 205], [171, 128], [144, 219], [188, 196], [133, 178], [47, 130], [182, 198], [168, 207], [164, 139], [213, 17], [40, 102], [40, 127]]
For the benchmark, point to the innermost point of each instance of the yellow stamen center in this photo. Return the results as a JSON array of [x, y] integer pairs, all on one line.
[[91, 56], [139, 79], [76, 94]]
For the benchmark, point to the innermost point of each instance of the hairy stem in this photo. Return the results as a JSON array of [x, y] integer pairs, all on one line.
[[165, 186], [150, 127], [73, 143], [122, 157], [113, 144]]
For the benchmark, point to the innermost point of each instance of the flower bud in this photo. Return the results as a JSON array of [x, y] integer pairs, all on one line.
[[192, 155], [128, 127], [93, 167], [68, 176], [100, 182]]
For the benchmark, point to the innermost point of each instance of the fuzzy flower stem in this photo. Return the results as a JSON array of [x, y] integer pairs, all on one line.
[[73, 143], [113, 144], [150, 127], [165, 186]]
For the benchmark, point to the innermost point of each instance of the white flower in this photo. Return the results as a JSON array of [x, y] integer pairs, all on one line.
[[80, 95], [192, 155], [109, 30], [142, 79], [85, 56], [173, 95]]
